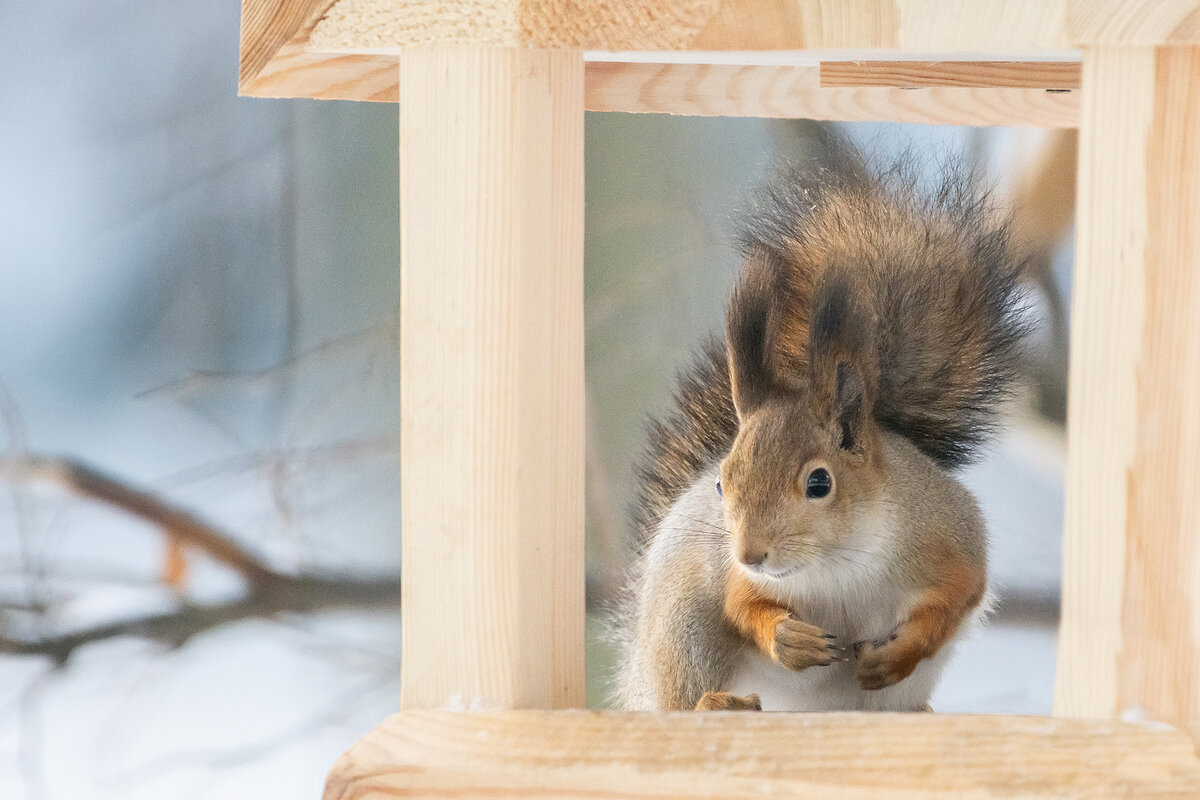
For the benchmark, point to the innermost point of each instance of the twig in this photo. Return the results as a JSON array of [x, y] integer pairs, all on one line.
[[90, 482], [201, 380]]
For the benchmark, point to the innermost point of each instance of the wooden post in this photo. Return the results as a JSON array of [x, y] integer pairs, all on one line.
[[1130, 636], [492, 393]]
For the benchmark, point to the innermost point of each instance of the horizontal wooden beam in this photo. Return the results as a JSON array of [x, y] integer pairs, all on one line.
[[958, 74], [692, 25], [296, 71], [796, 92], [338, 48], [741, 755], [755, 90]]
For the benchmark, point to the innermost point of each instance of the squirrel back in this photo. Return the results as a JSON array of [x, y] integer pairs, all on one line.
[[926, 273]]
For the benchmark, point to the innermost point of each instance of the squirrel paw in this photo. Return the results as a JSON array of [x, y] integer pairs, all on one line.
[[883, 663], [799, 645], [724, 701]]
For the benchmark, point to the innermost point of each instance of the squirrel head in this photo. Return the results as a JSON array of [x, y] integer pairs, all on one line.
[[807, 451]]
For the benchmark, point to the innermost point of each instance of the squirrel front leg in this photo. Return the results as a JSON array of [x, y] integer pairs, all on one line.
[[933, 620], [791, 642]]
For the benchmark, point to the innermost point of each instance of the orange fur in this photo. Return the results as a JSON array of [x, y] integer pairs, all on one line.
[[933, 620], [789, 641], [754, 616]]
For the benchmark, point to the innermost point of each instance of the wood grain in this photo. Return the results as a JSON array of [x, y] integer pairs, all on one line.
[[492, 391], [963, 74], [296, 71], [1144, 22], [698, 24], [697, 90], [795, 92], [268, 25], [1130, 635], [916, 25], [747, 754]]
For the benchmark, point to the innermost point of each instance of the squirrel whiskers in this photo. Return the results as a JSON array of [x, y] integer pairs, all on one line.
[[831, 559]]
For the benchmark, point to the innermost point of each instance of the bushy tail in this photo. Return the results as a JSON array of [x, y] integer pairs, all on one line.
[[698, 431], [938, 279], [939, 284]]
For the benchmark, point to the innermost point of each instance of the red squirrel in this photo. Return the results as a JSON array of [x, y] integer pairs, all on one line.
[[806, 545]]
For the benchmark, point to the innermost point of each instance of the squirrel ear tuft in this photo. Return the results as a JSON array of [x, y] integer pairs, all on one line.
[[750, 332], [842, 362]]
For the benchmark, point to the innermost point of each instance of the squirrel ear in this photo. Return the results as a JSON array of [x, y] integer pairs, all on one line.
[[849, 406], [842, 362], [750, 332]]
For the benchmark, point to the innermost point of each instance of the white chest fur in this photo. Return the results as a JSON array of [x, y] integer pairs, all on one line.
[[853, 594]]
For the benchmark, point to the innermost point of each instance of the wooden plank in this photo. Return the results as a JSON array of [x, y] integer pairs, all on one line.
[[744, 755], [492, 388], [795, 92], [962, 74], [341, 50], [1144, 22], [757, 90], [1130, 635]]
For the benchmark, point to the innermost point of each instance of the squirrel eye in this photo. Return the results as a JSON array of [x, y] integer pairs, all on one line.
[[719, 492], [819, 483]]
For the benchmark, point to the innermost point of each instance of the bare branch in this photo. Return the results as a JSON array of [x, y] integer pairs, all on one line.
[[270, 592], [90, 482], [282, 594]]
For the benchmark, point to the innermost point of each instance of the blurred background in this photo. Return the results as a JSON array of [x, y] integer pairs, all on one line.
[[198, 327]]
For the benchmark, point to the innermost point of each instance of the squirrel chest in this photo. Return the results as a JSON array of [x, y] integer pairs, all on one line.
[[854, 595]]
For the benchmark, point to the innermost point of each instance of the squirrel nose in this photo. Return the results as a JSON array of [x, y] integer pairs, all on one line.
[[752, 556]]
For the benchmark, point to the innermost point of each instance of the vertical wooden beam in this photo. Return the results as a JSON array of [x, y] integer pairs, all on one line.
[[1130, 636], [492, 394]]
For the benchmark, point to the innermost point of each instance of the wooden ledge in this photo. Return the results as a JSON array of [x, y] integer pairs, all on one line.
[[734, 755]]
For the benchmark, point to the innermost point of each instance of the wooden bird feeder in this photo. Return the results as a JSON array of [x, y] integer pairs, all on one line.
[[492, 95]]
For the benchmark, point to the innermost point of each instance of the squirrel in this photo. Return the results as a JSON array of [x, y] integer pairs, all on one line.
[[805, 545]]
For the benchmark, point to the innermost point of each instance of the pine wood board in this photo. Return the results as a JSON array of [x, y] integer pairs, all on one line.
[[956, 74], [491, 377], [1130, 635], [857, 756], [697, 24], [796, 92], [758, 90]]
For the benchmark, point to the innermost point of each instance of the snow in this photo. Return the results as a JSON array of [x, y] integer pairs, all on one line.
[[250, 710]]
